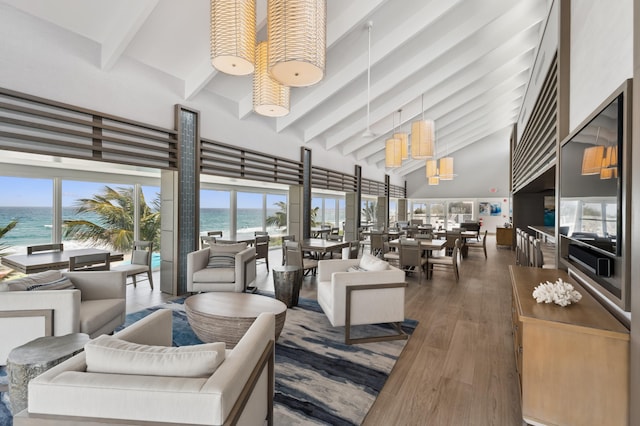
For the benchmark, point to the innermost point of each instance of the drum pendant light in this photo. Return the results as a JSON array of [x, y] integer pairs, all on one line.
[[233, 36], [296, 32], [270, 98]]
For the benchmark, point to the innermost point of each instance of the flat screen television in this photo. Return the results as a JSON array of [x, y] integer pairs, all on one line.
[[593, 192], [591, 181]]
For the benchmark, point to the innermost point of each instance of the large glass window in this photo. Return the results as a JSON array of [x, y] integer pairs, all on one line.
[[28, 202], [97, 214], [276, 214], [317, 217], [215, 211], [393, 211], [250, 215], [459, 211], [436, 215], [368, 211], [419, 211], [341, 212]]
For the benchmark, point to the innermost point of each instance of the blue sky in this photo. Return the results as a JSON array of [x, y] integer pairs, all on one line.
[[28, 192]]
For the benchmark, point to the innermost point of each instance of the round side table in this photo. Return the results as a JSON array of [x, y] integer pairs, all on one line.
[[34, 358], [287, 281]]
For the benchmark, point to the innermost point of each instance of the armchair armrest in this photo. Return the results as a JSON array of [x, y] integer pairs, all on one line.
[[196, 260], [327, 267], [154, 329], [245, 264], [98, 285]]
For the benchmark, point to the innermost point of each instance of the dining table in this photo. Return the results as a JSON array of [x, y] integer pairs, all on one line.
[[321, 246], [463, 234], [425, 244], [44, 261]]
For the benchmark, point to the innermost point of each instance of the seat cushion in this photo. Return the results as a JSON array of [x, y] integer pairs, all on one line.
[[96, 313], [131, 269], [107, 354], [215, 275]]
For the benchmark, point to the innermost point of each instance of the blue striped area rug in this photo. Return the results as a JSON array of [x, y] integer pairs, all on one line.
[[319, 379]]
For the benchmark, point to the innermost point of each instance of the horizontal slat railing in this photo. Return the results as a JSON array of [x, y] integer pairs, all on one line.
[[218, 159], [39, 126], [330, 179]]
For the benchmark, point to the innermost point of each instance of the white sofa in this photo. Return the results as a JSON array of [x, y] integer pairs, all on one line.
[[236, 278], [240, 391], [361, 297], [96, 306]]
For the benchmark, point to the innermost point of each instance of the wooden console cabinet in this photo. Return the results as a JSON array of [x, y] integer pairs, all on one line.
[[573, 361], [504, 237]]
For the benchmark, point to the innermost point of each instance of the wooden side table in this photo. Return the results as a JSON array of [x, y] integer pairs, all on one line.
[[34, 358], [287, 281]]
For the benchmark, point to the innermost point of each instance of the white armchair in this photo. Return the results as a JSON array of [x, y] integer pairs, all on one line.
[[205, 274], [238, 391], [361, 297], [96, 306]]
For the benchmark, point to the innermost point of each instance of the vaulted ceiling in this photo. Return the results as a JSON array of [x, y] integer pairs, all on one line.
[[467, 62]]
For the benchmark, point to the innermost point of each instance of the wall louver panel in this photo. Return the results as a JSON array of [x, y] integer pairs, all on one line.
[[536, 151], [218, 159], [330, 179], [40, 126]]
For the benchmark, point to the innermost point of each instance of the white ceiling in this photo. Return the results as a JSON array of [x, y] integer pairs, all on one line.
[[471, 60]]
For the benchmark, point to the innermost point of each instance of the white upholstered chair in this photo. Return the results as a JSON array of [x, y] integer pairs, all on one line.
[[362, 297], [221, 267]]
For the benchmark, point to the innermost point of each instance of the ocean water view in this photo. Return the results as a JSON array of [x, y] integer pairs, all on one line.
[[34, 223]]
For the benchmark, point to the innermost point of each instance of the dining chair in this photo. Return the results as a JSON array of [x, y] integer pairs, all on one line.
[[338, 238], [377, 242], [141, 257], [207, 240], [295, 258], [90, 262], [286, 238], [45, 247], [479, 245], [411, 257], [446, 262], [354, 249], [262, 248], [391, 256]]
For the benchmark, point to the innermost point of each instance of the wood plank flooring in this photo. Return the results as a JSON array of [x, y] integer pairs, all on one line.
[[458, 367]]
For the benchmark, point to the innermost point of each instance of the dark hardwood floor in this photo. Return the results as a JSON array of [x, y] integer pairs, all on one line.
[[458, 367]]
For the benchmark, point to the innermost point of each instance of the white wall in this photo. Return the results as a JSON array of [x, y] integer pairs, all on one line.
[[46, 61], [601, 53], [482, 169]]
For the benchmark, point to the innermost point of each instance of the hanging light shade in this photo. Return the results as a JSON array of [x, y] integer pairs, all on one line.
[[404, 144], [592, 160], [446, 168], [393, 153], [233, 36], [422, 139], [432, 168], [297, 41], [609, 163], [434, 180], [270, 98]]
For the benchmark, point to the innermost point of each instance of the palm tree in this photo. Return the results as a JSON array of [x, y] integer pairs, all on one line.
[[115, 207], [279, 218], [369, 211], [4, 230]]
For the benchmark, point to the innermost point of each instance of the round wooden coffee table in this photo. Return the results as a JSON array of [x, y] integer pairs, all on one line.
[[226, 317]]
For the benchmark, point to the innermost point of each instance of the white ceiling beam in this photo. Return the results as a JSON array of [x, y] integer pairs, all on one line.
[[461, 53], [459, 87], [120, 37], [417, 21]]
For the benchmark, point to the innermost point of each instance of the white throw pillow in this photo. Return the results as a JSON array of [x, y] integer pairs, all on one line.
[[372, 263], [107, 354]]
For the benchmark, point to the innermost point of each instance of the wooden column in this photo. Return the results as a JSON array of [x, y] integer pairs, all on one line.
[[305, 155]]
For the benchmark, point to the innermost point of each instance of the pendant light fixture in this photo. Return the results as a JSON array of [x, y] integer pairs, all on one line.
[[404, 138], [297, 40], [422, 137], [393, 150], [270, 98], [233, 36], [445, 169], [368, 133], [432, 172], [592, 158]]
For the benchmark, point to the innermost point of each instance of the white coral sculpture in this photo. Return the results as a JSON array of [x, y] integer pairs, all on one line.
[[559, 292]]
